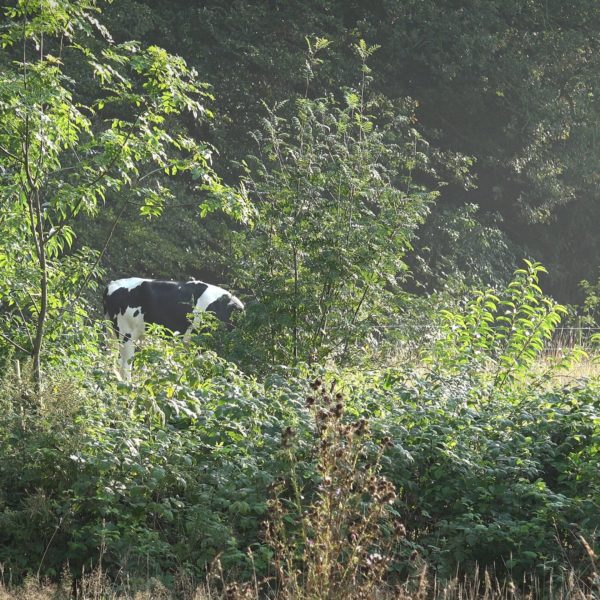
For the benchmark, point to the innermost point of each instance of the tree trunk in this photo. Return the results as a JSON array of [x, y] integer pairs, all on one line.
[[41, 323], [295, 316], [38, 233]]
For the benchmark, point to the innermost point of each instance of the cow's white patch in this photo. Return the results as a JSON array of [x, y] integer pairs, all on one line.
[[131, 322], [211, 293], [237, 302], [129, 284]]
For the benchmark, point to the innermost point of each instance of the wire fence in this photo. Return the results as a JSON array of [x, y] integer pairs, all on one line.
[[565, 338], [417, 335], [414, 335]]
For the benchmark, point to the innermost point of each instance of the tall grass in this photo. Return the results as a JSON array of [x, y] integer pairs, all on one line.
[[476, 586]]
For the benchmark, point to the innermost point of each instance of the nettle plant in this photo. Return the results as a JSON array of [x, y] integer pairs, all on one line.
[[62, 155], [501, 334]]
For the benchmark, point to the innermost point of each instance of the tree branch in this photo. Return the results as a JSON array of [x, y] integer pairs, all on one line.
[[13, 343]]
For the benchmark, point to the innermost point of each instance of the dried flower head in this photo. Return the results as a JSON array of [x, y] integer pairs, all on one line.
[[387, 442], [360, 428], [316, 384], [286, 436]]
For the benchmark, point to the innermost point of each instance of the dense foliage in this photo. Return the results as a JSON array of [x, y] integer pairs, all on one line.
[[336, 212], [385, 401], [61, 158], [506, 94], [160, 478]]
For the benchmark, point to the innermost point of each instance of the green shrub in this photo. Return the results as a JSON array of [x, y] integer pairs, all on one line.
[[337, 210], [502, 333], [497, 482], [161, 477], [158, 477]]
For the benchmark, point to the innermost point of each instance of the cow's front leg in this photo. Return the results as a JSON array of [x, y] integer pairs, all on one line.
[[195, 321], [112, 347]]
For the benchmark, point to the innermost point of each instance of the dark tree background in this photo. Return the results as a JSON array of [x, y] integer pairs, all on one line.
[[510, 84]]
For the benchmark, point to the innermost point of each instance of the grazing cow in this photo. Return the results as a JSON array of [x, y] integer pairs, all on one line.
[[131, 303]]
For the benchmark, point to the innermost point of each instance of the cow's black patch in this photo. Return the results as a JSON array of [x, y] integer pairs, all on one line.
[[223, 307], [165, 303]]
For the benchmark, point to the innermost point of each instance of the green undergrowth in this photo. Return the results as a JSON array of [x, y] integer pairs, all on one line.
[[174, 474]]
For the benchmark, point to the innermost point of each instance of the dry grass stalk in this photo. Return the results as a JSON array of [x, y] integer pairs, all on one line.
[[420, 587], [336, 544]]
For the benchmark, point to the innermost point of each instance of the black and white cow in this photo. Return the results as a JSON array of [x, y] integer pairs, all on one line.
[[131, 303]]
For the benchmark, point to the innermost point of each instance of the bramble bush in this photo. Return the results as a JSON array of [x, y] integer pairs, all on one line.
[[159, 478], [163, 477]]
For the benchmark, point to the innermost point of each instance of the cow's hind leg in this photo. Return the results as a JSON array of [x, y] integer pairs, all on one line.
[[112, 345], [126, 352]]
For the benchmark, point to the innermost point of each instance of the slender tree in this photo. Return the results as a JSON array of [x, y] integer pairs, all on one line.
[[61, 156], [337, 209]]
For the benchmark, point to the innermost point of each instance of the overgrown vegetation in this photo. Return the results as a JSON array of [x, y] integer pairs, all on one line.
[[348, 438], [337, 210], [163, 478]]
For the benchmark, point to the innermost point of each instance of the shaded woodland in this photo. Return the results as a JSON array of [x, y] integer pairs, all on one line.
[[504, 93]]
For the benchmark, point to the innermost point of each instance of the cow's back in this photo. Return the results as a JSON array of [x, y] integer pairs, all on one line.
[[169, 303], [135, 301]]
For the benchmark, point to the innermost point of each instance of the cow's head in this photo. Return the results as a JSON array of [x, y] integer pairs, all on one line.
[[216, 300], [224, 308]]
